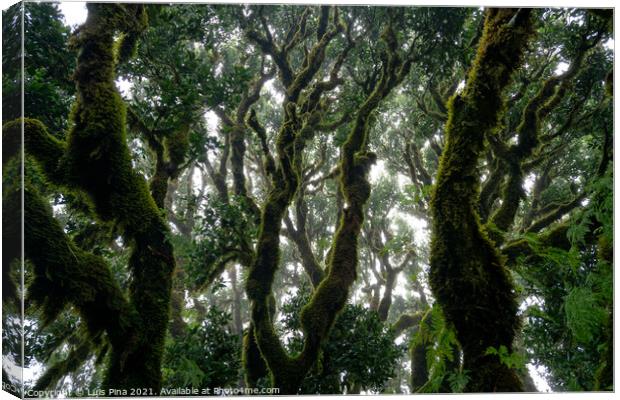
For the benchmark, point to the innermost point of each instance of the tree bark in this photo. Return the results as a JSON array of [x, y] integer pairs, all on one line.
[[96, 161], [467, 275]]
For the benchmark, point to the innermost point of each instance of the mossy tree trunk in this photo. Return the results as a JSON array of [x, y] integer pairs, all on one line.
[[99, 163], [96, 162], [302, 114], [419, 368], [467, 274]]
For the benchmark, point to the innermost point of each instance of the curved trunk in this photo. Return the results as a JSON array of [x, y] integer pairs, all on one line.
[[98, 162]]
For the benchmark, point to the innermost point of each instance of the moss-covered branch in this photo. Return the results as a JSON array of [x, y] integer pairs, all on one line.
[[418, 352], [554, 211], [413, 158], [389, 273], [254, 366], [74, 360], [332, 126], [467, 275], [406, 321], [237, 142], [39, 144], [64, 274], [47, 151], [542, 182], [269, 161], [218, 173], [330, 296], [309, 262], [236, 147], [97, 161], [554, 237], [169, 162], [252, 95], [537, 109], [490, 189], [286, 177], [555, 214], [430, 112], [279, 54], [314, 59]]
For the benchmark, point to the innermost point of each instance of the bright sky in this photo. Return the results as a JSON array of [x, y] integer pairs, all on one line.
[[74, 12]]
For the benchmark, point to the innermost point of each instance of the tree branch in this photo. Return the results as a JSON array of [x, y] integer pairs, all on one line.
[[406, 321]]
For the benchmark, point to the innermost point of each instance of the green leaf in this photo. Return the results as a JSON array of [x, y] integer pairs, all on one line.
[[584, 316]]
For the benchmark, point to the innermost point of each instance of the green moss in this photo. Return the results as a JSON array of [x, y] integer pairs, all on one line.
[[168, 162], [556, 236], [467, 275], [253, 364], [97, 161], [329, 298], [177, 147], [609, 84], [605, 249], [159, 183], [237, 144], [269, 162], [314, 61], [419, 369], [65, 274], [262, 271], [512, 193], [45, 148], [11, 230], [536, 110], [131, 28]]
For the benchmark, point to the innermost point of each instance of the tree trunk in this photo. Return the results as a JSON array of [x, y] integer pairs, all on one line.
[[98, 161], [467, 274]]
